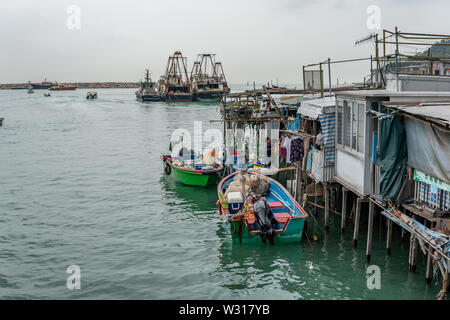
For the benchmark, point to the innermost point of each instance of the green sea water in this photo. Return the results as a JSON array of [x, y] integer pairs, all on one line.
[[82, 183]]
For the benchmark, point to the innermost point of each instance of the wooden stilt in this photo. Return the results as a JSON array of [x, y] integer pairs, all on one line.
[[370, 230], [315, 198], [429, 267], [344, 208], [412, 253], [403, 235], [389, 236], [333, 198], [327, 205], [357, 217]]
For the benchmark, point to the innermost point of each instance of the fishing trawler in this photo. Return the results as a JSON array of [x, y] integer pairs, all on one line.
[[175, 82], [208, 79], [147, 90], [42, 85]]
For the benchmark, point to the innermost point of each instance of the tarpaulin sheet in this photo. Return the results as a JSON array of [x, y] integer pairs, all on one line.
[[428, 149], [392, 155]]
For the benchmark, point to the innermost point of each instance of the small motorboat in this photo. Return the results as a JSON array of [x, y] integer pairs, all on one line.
[[30, 90], [47, 94], [258, 208], [195, 174], [91, 95]]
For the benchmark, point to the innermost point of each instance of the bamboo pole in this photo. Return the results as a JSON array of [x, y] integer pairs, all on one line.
[[370, 230], [389, 236], [357, 217], [327, 206], [344, 208]]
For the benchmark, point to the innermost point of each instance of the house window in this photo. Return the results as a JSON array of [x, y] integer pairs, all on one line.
[[347, 124], [350, 125], [354, 124], [361, 117], [339, 123]]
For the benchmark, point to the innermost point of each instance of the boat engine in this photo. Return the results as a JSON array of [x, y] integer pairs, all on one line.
[[265, 219]]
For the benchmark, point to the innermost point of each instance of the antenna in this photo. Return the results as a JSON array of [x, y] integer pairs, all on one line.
[[371, 36]]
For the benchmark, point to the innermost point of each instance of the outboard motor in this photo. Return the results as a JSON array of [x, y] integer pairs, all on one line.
[[265, 219]]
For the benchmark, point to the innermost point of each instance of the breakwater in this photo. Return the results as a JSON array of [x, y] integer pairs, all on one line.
[[81, 85]]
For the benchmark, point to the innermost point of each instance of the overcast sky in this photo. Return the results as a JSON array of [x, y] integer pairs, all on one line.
[[256, 40]]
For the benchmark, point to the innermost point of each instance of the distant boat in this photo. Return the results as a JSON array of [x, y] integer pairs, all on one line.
[[30, 90], [46, 94], [147, 90], [176, 85], [42, 85], [208, 79], [61, 87], [1, 121], [91, 95]]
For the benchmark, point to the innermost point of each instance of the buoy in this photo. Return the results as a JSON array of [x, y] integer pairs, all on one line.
[[311, 266]]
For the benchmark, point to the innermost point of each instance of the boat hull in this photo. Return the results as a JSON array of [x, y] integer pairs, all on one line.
[[178, 97], [41, 86], [148, 97], [62, 88], [209, 96], [190, 177], [194, 178], [292, 234]]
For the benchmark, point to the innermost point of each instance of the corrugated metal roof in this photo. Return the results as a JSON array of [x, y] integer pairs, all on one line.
[[313, 108], [437, 112]]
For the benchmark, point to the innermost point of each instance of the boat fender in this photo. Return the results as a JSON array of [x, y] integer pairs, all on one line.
[[167, 169]]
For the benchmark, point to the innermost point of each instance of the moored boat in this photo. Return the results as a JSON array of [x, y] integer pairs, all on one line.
[[147, 90], [46, 94], [176, 86], [30, 90], [259, 208], [208, 79], [193, 175], [42, 85]]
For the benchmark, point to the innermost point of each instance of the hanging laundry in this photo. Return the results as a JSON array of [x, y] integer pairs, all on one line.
[[282, 149], [297, 150], [287, 146]]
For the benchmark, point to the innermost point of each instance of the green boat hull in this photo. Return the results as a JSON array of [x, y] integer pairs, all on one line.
[[194, 178]]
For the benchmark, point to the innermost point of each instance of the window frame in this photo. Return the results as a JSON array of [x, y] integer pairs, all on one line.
[[351, 104]]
